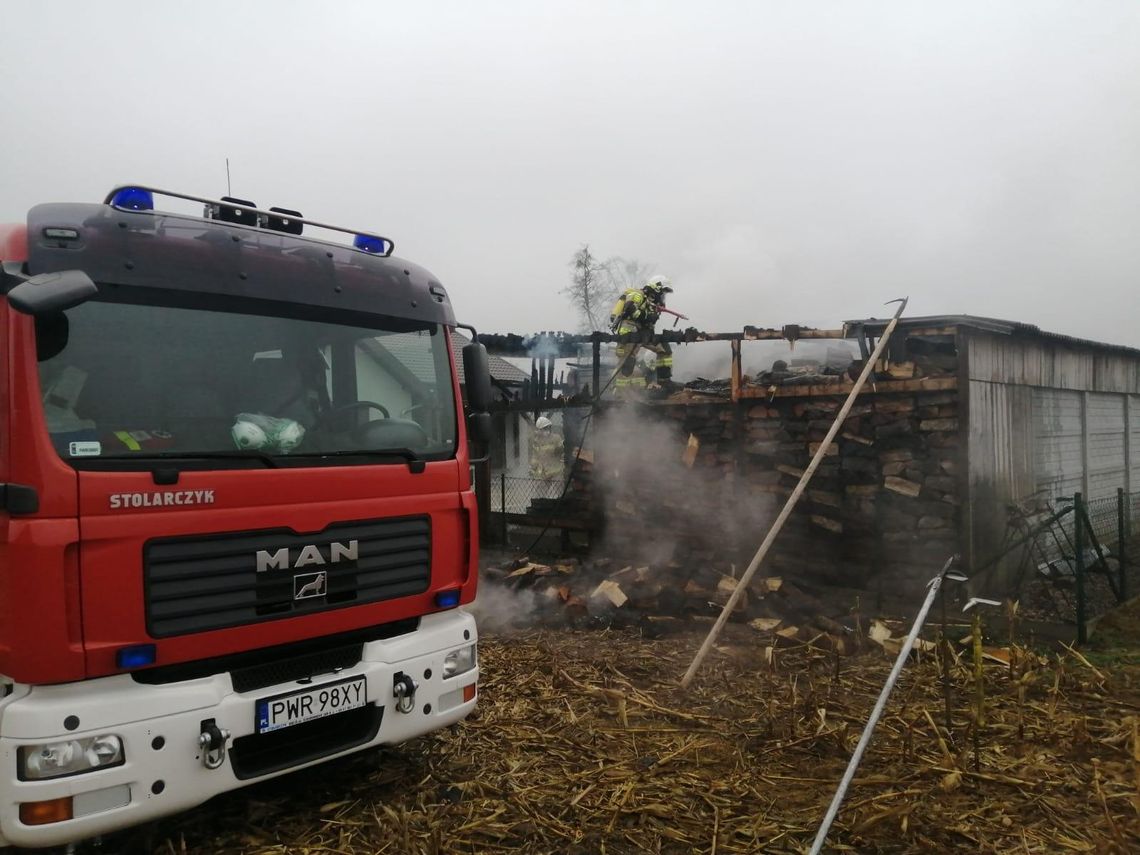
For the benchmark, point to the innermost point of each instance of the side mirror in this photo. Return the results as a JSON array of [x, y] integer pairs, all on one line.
[[477, 377], [52, 292], [480, 430]]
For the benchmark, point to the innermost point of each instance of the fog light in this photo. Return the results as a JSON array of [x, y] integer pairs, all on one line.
[[459, 662], [69, 757], [43, 813]]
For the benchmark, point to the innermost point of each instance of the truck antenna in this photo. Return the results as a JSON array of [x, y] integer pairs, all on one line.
[[229, 189]]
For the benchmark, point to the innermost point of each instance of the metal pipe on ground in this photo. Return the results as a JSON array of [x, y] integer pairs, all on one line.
[[880, 704], [868, 369]]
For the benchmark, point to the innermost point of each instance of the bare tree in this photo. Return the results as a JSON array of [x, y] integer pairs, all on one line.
[[626, 273], [595, 285], [590, 290]]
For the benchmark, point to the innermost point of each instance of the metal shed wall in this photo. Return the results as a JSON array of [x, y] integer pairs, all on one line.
[[1132, 418], [1046, 417], [1051, 362], [1058, 443], [1000, 453]]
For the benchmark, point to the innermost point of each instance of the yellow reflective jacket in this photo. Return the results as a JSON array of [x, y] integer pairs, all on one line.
[[633, 311]]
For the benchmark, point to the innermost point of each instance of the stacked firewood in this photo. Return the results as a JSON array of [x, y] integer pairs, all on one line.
[[881, 510], [659, 598]]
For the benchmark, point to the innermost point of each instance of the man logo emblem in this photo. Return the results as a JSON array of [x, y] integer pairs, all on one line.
[[309, 585]]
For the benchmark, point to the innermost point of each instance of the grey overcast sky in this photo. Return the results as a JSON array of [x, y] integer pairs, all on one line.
[[783, 162]]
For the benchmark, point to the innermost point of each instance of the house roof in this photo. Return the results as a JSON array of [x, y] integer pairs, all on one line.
[[417, 359], [501, 370]]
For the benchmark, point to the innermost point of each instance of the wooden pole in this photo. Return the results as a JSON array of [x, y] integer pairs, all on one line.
[[792, 500], [737, 374]]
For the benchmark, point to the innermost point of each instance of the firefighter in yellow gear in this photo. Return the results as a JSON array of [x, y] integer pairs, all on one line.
[[637, 311]]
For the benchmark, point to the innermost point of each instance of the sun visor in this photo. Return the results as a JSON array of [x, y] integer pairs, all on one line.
[[172, 252]]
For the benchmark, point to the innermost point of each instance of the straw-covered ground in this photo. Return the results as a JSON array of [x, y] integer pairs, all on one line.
[[583, 743]]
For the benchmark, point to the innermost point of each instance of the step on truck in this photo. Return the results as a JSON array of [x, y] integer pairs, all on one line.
[[237, 522]]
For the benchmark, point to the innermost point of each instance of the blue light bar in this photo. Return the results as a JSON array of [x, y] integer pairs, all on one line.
[[368, 243], [134, 199], [137, 656], [447, 599]]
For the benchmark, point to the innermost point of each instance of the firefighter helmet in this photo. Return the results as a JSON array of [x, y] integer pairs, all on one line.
[[657, 287]]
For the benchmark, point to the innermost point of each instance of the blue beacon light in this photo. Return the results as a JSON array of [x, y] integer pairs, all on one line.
[[136, 656], [368, 243], [134, 199], [447, 599]]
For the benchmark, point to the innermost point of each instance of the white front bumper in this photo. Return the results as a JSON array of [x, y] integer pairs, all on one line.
[[157, 781]]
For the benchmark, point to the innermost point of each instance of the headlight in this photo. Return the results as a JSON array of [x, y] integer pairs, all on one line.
[[69, 757], [459, 662]]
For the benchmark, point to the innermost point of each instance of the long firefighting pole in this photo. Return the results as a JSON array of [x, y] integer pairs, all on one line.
[[774, 532]]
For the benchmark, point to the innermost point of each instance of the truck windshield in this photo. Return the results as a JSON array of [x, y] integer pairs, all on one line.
[[123, 381]]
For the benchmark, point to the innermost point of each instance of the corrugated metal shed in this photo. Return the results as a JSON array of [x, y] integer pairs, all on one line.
[[1105, 444], [1049, 416], [1132, 418], [1058, 443], [1014, 329]]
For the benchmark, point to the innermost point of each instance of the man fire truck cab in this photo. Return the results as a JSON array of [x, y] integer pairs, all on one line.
[[237, 520]]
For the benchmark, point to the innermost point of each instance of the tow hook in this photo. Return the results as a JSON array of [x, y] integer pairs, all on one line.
[[404, 688], [212, 741]]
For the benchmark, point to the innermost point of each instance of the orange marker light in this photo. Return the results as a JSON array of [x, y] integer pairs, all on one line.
[[44, 813], [469, 693]]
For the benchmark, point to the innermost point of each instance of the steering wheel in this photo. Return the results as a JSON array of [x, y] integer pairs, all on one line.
[[330, 415]]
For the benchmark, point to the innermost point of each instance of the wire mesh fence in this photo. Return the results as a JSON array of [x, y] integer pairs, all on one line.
[[1103, 522], [517, 495], [1078, 559]]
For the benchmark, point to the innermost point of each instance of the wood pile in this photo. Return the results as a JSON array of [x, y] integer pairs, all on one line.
[[883, 503], [882, 509], [660, 599]]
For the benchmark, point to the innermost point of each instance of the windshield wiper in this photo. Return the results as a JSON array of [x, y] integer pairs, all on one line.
[[236, 454], [415, 463]]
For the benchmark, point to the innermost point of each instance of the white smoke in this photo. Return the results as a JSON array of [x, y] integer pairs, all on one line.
[[502, 610], [658, 507]]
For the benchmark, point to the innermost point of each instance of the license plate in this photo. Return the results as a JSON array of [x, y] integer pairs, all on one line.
[[312, 703]]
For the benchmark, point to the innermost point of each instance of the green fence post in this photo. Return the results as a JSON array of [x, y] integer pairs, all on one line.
[[1079, 566], [1122, 542]]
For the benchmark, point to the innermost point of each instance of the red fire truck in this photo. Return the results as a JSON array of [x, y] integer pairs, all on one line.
[[237, 522]]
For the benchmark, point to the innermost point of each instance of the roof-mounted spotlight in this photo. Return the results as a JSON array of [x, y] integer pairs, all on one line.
[[289, 221], [234, 215]]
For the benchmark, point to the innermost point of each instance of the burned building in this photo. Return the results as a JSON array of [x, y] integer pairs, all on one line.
[[966, 417]]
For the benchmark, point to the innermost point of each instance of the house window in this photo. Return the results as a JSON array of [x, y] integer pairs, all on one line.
[[515, 436]]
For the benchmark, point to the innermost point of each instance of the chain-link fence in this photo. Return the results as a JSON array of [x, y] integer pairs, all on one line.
[[1108, 571], [514, 495], [1076, 559], [519, 506]]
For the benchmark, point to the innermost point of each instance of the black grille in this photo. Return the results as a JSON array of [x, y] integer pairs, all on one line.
[[262, 753], [197, 584], [307, 665], [283, 663]]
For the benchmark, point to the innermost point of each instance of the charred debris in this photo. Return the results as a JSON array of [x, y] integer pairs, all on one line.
[[927, 350], [686, 482]]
